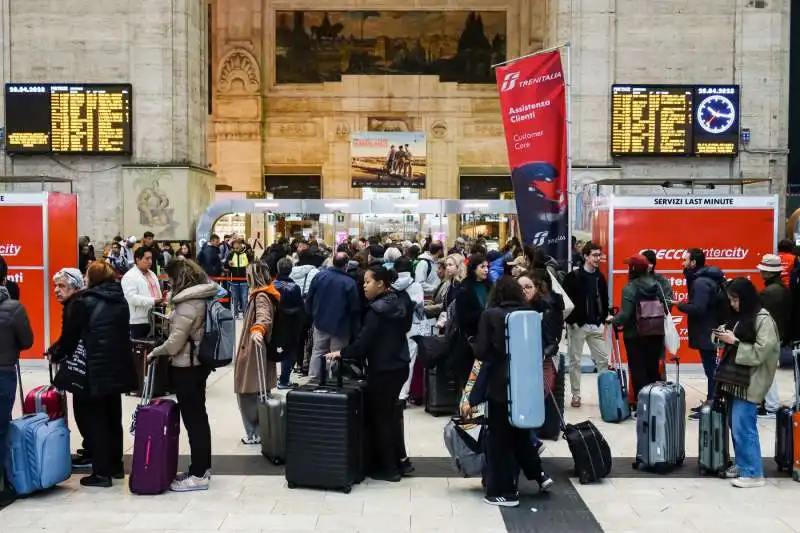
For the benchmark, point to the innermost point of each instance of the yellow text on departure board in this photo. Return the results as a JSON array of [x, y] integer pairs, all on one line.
[[89, 120]]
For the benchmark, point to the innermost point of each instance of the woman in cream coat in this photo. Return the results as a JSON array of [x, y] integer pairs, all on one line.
[[257, 329]]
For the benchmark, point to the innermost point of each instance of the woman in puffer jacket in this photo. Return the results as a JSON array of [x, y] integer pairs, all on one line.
[[191, 289]]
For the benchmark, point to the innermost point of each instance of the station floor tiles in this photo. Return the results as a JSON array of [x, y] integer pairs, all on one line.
[[248, 495]]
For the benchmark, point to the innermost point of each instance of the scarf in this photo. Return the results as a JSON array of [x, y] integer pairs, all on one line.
[[731, 378]]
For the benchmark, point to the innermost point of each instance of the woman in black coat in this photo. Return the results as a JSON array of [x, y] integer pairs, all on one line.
[[382, 344], [101, 315], [471, 300], [508, 448]]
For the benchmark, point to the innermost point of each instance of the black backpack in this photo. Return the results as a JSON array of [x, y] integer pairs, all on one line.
[[286, 327], [720, 305]]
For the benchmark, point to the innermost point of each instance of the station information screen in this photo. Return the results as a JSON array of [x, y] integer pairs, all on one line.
[[68, 118], [681, 120]]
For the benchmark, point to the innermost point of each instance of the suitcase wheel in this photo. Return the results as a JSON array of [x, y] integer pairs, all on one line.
[[722, 474], [635, 465], [796, 475], [291, 485], [347, 489], [703, 471], [277, 461]]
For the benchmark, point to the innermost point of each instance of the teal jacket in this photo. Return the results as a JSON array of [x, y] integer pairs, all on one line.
[[643, 288]]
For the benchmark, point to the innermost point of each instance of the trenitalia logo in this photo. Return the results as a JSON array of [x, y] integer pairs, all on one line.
[[11, 250], [715, 254], [509, 81]]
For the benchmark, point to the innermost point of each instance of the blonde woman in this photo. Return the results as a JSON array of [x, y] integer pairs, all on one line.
[[258, 320], [455, 270]]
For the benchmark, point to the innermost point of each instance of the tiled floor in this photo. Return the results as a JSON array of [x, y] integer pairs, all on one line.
[[256, 499]]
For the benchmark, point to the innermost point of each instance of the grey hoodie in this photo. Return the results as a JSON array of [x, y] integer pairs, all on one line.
[[405, 283]]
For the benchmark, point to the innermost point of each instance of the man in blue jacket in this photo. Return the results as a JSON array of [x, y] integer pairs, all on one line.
[[705, 284], [335, 309]]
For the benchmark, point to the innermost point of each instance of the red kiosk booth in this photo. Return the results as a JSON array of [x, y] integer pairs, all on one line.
[[38, 237], [735, 231]]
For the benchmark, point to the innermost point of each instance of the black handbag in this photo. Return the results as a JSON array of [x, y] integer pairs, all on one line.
[[73, 373]]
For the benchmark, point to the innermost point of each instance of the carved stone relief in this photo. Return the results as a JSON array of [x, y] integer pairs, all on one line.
[[342, 129], [291, 129], [237, 131], [239, 72], [483, 129], [390, 124], [439, 129]]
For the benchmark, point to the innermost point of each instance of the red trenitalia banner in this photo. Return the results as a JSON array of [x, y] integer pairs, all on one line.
[[533, 104]]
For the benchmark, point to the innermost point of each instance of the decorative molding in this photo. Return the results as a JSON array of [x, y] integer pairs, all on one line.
[[291, 129], [237, 131], [483, 129], [239, 64], [439, 129], [342, 130], [390, 124]]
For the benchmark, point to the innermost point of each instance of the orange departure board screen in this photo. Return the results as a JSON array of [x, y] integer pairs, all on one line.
[[68, 118]]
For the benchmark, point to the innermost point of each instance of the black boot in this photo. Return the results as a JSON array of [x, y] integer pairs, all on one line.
[[7, 493], [96, 481]]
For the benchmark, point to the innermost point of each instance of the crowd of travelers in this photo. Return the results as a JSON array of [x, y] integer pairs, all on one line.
[[358, 307]]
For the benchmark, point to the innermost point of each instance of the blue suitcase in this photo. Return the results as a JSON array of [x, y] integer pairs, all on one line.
[[525, 369], [612, 388], [38, 453]]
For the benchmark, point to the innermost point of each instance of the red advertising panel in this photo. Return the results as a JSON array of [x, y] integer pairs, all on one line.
[[735, 232], [62, 227], [533, 107]]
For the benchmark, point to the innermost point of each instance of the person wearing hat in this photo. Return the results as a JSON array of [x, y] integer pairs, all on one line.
[[777, 299], [644, 352]]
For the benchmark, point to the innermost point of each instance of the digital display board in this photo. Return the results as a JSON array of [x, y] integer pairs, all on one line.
[[89, 118], [681, 120]]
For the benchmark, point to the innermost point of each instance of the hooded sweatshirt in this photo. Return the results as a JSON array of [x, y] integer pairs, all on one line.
[[303, 275], [15, 330], [405, 283], [382, 342], [642, 288]]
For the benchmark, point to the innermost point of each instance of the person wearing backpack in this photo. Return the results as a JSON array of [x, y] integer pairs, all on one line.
[[289, 320], [191, 291], [426, 271], [641, 317], [706, 308], [258, 329]]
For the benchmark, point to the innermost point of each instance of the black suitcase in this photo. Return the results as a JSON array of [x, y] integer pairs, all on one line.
[[140, 348], [441, 391], [551, 430], [325, 436], [589, 450], [784, 428]]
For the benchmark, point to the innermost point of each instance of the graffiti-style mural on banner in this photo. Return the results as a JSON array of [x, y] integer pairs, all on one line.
[[319, 46]]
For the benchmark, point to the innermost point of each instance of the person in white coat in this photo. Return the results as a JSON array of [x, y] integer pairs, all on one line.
[[142, 291]]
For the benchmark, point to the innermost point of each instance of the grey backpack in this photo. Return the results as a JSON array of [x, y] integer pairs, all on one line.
[[219, 336]]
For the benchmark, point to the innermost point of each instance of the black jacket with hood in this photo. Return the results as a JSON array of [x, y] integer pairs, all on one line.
[[16, 334], [552, 309], [103, 316], [382, 342], [642, 288], [777, 299], [490, 346], [575, 287], [703, 285]]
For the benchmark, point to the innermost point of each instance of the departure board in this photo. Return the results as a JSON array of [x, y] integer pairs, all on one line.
[[681, 120], [68, 118]]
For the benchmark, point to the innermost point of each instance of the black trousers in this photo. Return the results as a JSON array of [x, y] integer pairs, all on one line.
[[82, 411], [139, 331], [103, 418], [508, 449], [189, 385], [383, 423], [644, 355]]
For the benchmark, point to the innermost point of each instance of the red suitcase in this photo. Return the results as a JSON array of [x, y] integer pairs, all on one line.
[[46, 399]]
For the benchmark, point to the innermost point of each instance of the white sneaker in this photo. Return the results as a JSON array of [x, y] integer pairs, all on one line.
[[732, 472], [252, 439], [187, 483], [748, 482]]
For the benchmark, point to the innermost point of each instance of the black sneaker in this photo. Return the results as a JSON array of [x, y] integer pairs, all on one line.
[[118, 474], [695, 416], [698, 408], [545, 483], [96, 481], [763, 413], [406, 468], [391, 478], [81, 462], [502, 501]]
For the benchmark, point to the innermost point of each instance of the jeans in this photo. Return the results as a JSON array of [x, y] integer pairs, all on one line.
[[323, 343], [508, 449], [746, 445], [8, 389], [644, 360], [384, 425], [103, 418], [598, 347], [286, 367], [189, 385], [239, 295], [709, 358]]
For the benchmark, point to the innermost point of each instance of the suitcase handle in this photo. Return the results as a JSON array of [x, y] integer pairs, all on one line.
[[149, 381], [261, 364]]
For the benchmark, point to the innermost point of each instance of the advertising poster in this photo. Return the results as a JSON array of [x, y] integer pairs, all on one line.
[[671, 225], [533, 105], [388, 159]]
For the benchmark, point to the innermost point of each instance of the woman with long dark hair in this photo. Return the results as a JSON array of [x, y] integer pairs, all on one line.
[[744, 375], [507, 447], [382, 344], [471, 300]]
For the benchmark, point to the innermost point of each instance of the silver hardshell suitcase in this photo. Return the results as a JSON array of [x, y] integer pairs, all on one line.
[[661, 425], [271, 415]]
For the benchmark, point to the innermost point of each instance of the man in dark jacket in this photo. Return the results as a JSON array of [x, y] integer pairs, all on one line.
[[148, 243], [209, 257], [777, 299], [16, 335], [588, 289], [289, 318], [335, 309], [706, 291], [11, 286]]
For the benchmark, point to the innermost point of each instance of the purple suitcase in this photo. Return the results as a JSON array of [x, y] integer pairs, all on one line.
[[156, 428]]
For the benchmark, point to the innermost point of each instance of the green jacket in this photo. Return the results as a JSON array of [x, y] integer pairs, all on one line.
[[643, 288], [761, 357]]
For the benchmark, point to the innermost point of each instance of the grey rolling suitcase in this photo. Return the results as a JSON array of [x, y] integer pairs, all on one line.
[[713, 454], [271, 415], [661, 426]]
